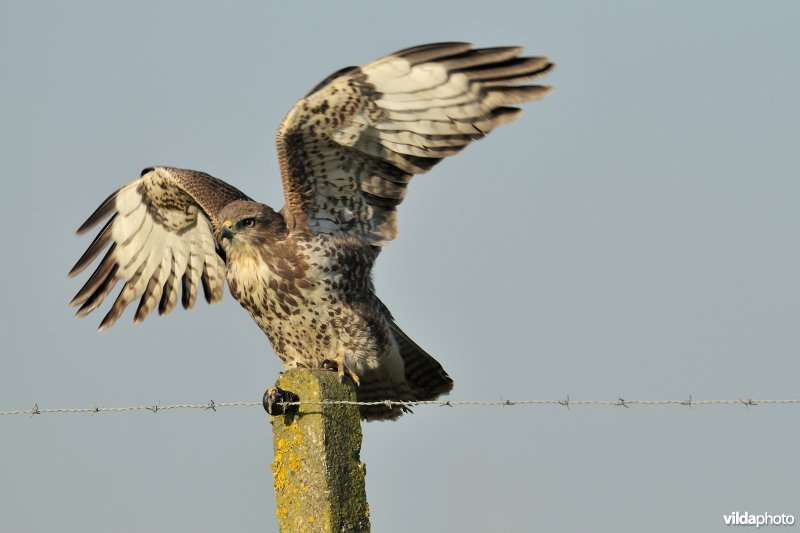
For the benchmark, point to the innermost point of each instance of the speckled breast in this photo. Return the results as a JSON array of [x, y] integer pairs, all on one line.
[[305, 295]]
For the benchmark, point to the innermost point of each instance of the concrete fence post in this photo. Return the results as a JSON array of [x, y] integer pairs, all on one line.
[[317, 471]]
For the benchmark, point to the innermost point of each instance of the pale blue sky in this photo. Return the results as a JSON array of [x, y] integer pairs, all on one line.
[[635, 234]]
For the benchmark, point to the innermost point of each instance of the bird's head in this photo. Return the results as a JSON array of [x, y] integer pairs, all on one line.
[[247, 223]]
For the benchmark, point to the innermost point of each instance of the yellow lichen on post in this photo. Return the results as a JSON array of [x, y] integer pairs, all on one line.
[[317, 472]]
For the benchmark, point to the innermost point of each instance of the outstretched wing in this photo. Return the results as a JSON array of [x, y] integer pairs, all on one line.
[[161, 233], [349, 148]]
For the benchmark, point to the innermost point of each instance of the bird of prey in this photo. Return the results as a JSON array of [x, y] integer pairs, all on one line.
[[347, 152]]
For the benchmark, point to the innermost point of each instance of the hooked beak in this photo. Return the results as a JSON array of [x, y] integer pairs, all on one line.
[[225, 231]]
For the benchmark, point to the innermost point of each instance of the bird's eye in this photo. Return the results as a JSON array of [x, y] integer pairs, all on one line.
[[248, 222]]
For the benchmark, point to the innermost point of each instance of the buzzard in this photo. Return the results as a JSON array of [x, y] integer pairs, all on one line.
[[347, 152]]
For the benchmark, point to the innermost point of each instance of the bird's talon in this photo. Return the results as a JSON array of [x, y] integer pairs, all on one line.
[[350, 373], [341, 369]]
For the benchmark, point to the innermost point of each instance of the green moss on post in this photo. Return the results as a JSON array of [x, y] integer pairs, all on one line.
[[318, 475]]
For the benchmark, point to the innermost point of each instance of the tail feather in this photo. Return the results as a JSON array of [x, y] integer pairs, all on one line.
[[424, 374], [425, 379]]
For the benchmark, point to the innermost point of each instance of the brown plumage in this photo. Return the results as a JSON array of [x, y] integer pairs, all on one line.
[[347, 152]]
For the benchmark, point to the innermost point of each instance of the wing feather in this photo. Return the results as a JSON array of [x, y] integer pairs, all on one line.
[[98, 245], [191, 278], [349, 148], [152, 294], [213, 276], [169, 296], [101, 213], [100, 283], [430, 52], [125, 296], [161, 239], [474, 58]]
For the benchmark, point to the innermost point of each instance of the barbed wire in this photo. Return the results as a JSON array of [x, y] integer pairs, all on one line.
[[154, 408], [213, 406]]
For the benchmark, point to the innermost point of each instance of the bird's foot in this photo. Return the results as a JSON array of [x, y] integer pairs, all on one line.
[[275, 401], [342, 369]]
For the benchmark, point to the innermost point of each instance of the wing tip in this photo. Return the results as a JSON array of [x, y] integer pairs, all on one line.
[[103, 211], [109, 320], [433, 46], [541, 91], [86, 226]]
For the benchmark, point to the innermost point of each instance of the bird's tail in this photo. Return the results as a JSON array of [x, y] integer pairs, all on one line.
[[424, 374], [425, 379]]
